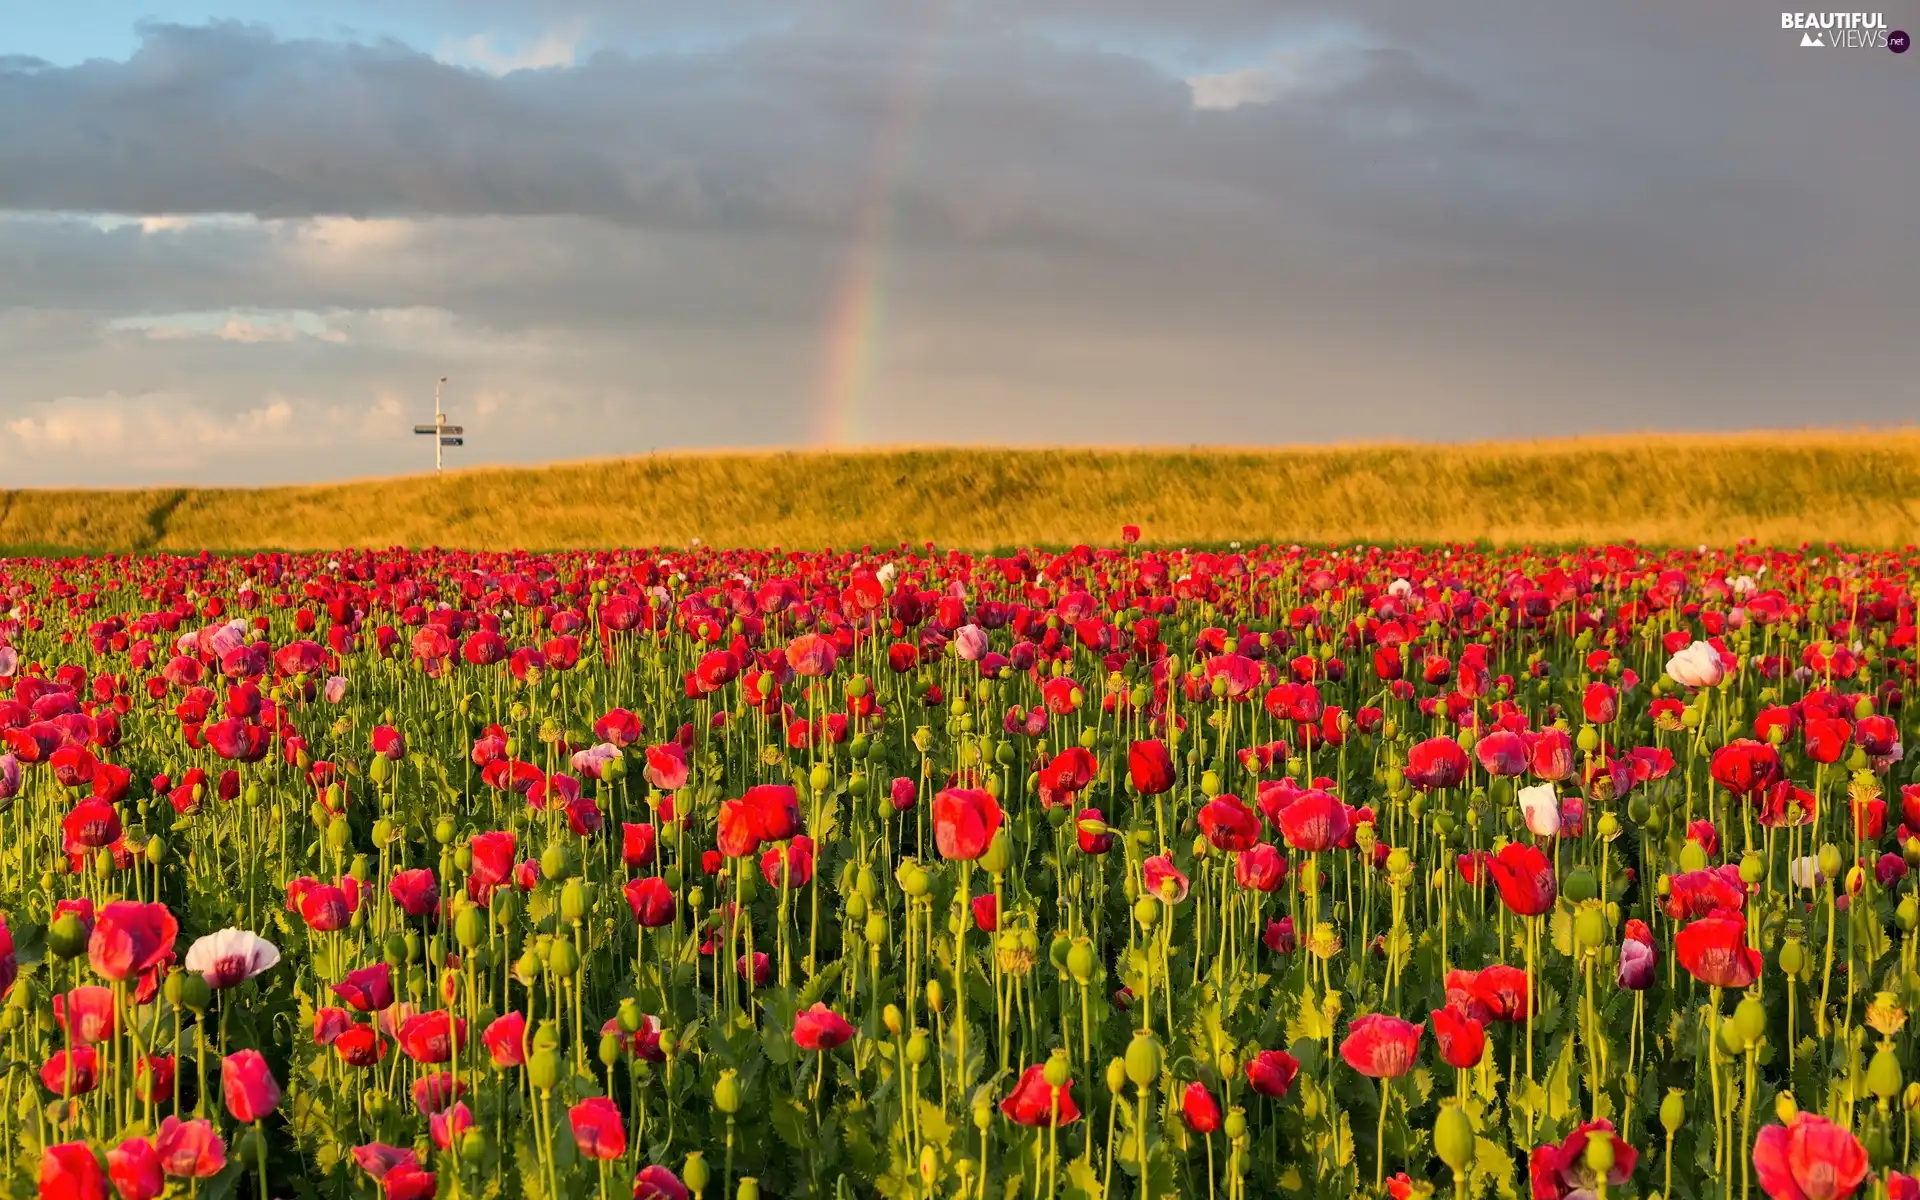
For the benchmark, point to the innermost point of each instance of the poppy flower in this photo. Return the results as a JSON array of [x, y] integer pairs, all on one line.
[[1091, 832], [1562, 1171], [1229, 824], [415, 891], [70, 1073], [658, 1183], [1199, 1109], [506, 1040], [820, 1028], [432, 1037], [1524, 877], [1714, 950], [1150, 767], [1436, 763], [667, 767], [231, 957], [1700, 893], [389, 743], [597, 1128], [134, 1168], [652, 901], [964, 822], [86, 1014], [1638, 958], [369, 989], [1315, 821], [1279, 936], [739, 832], [1461, 1039], [1163, 880], [1032, 1101], [130, 938], [189, 1149], [153, 1077], [1271, 1072], [1502, 753], [247, 1086], [70, 1171], [1826, 738], [1260, 868], [1381, 1046], [1744, 766]]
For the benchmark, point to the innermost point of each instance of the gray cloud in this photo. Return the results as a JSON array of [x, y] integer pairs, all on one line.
[[1500, 221]]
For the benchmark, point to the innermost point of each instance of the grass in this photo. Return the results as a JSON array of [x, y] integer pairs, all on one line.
[[1861, 488]]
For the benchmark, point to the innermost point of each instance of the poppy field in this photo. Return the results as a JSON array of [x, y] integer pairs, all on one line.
[[1265, 871]]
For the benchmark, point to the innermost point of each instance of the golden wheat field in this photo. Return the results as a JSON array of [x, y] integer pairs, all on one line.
[[1860, 488]]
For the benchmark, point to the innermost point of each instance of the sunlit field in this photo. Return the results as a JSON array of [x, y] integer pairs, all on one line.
[[1778, 488], [1109, 872]]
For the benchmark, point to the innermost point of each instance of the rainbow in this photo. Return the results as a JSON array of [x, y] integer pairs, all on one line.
[[857, 309]]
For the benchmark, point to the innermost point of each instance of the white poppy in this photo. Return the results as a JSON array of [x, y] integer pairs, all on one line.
[[1697, 666], [1541, 809], [1805, 872], [231, 957]]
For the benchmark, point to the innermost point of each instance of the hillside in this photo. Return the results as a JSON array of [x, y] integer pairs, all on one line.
[[1862, 488]]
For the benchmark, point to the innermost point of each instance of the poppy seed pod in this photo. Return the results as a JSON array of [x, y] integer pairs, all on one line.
[[1144, 1058], [1673, 1111]]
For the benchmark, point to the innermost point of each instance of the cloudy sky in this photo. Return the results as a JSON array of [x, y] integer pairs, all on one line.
[[239, 239]]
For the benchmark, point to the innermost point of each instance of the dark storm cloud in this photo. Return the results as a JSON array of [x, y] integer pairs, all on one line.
[[1488, 220]]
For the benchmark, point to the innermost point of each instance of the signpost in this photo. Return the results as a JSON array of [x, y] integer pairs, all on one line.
[[443, 434]]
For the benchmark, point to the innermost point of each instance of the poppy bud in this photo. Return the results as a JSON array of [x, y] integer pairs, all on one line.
[[936, 996], [1453, 1138], [573, 902], [1116, 1075], [564, 960], [609, 1049], [999, 852], [1590, 928], [1750, 1018], [890, 1017], [67, 937], [469, 929], [918, 1048], [1785, 1108], [1830, 861], [555, 863]]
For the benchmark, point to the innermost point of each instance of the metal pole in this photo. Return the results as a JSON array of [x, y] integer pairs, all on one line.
[[439, 423]]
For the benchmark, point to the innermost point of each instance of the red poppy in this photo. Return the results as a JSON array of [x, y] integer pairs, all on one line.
[[1032, 1101], [658, 1183], [1744, 766], [1461, 1039], [70, 1073], [247, 1086], [135, 1170], [790, 865], [415, 891], [1199, 1109], [739, 829], [1091, 832], [637, 844], [964, 822], [1714, 950], [1436, 763], [1271, 1072], [652, 901], [1381, 1046], [1316, 821], [506, 1040], [1229, 824], [1827, 738], [1261, 868], [1810, 1159], [1699, 893], [820, 1028], [432, 1037], [1524, 877], [190, 1149], [1150, 767], [597, 1128], [129, 938], [369, 989], [69, 1171]]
